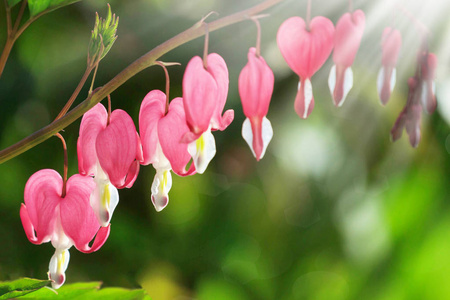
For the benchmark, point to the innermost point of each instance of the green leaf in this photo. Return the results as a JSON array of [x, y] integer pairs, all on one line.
[[43, 6], [23, 286], [87, 290], [11, 3]]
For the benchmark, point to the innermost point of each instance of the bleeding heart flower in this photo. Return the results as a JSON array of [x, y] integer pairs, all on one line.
[[410, 116], [161, 134], [305, 51], [109, 152], [428, 74], [347, 38], [204, 95], [63, 220], [391, 42], [255, 88]]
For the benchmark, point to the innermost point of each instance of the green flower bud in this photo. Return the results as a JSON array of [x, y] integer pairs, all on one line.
[[103, 37]]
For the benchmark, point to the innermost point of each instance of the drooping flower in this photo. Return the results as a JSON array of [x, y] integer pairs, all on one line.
[[421, 95], [255, 88], [347, 38], [109, 152], [428, 66], [391, 41], [161, 134], [305, 51], [66, 220], [204, 95], [410, 117]]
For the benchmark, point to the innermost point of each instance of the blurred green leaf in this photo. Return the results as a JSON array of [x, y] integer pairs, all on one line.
[[23, 286], [40, 6], [88, 290], [11, 3]]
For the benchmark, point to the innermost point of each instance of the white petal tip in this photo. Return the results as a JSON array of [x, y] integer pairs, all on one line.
[[202, 151], [266, 135]]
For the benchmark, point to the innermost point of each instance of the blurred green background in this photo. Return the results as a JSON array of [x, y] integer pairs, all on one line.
[[333, 211]]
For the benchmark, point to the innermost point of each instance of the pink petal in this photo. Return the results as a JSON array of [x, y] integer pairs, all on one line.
[[256, 86], [132, 174], [152, 110], [347, 37], [199, 96], [116, 147], [397, 129], [92, 123], [42, 196], [77, 216], [391, 42], [412, 124], [171, 129], [305, 51], [218, 69]]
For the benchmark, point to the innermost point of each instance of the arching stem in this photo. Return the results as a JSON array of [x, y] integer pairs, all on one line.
[[137, 66], [258, 36], [205, 49], [66, 165], [167, 84], [308, 14]]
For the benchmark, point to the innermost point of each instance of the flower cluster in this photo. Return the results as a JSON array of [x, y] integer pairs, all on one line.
[[177, 135]]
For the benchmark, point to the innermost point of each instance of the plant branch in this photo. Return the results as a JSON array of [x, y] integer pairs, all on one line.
[[137, 66], [19, 16], [8, 17], [75, 93], [14, 33]]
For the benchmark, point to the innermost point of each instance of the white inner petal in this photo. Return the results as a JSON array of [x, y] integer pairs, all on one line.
[[202, 150], [58, 266], [59, 239], [161, 162], [162, 183], [308, 93], [332, 79], [247, 134], [424, 94], [104, 200], [380, 80], [393, 78], [266, 132], [348, 83]]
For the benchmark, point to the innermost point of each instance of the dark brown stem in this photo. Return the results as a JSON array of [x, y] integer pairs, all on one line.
[[109, 110], [66, 165], [75, 94], [137, 66]]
